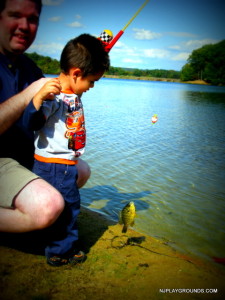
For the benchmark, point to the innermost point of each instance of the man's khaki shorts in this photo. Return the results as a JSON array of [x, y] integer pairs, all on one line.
[[13, 178]]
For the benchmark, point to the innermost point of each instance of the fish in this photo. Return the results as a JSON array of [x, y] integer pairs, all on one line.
[[127, 216]]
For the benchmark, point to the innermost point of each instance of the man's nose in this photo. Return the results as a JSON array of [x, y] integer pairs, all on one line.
[[23, 23]]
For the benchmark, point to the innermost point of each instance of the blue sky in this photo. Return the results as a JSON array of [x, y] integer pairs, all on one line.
[[162, 36]]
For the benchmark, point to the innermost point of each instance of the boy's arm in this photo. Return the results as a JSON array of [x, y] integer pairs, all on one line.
[[33, 119], [33, 116]]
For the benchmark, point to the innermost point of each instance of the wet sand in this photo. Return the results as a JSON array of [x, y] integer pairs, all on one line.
[[119, 266]]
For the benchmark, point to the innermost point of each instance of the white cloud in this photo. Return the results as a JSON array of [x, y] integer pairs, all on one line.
[[124, 51], [175, 47], [132, 61], [52, 2], [55, 19], [156, 53], [119, 44], [75, 24], [142, 34], [193, 44], [181, 34], [47, 49], [181, 56], [135, 55]]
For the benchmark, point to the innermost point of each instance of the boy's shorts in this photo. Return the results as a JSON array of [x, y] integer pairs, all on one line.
[[13, 178]]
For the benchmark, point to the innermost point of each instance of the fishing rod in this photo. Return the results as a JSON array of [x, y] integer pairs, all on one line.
[[109, 45]]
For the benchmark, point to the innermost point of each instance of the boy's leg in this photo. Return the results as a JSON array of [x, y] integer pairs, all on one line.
[[64, 239], [84, 172], [64, 233]]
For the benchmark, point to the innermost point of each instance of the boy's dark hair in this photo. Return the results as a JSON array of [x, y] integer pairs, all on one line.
[[85, 52], [38, 3]]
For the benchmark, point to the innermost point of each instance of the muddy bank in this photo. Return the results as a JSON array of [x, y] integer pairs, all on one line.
[[119, 266]]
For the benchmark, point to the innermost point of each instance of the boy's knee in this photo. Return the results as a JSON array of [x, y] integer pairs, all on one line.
[[87, 172], [84, 172]]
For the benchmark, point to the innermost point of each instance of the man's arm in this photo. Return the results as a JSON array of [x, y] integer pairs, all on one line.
[[12, 109]]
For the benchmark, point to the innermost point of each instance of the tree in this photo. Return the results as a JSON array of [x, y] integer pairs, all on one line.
[[207, 63], [188, 73], [45, 63]]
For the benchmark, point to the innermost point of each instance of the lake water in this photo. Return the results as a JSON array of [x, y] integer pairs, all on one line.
[[174, 170]]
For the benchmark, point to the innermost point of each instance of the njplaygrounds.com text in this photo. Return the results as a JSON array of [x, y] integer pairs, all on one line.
[[189, 291]]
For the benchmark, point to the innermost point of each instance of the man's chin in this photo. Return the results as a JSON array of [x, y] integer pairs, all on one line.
[[19, 48], [14, 52], [18, 51]]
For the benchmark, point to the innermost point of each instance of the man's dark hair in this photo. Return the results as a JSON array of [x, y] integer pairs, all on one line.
[[85, 52], [38, 3]]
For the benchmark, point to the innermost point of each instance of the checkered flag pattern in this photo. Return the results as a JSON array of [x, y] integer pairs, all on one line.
[[105, 37]]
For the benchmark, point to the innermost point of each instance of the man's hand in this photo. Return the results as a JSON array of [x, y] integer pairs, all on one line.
[[11, 109], [48, 91]]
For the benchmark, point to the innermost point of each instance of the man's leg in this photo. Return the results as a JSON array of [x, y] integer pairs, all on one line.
[[26, 202], [35, 207], [84, 173], [38, 204]]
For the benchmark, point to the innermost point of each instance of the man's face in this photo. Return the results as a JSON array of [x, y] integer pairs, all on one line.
[[18, 26]]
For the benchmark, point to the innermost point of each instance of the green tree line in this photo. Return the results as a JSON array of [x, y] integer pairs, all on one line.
[[51, 66], [45, 63], [206, 63], [158, 73]]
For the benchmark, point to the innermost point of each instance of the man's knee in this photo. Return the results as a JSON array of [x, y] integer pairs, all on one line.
[[51, 210], [41, 203]]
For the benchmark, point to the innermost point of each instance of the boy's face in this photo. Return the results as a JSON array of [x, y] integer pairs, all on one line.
[[83, 84], [18, 26]]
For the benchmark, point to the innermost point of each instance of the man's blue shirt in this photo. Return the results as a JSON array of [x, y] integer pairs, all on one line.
[[17, 142]]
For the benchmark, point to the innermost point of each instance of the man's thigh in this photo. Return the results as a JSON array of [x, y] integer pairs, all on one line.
[[13, 178]]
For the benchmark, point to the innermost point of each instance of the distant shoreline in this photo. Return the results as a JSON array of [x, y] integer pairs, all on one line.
[[199, 81], [156, 79]]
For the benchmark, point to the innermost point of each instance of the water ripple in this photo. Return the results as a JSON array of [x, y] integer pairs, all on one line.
[[174, 170]]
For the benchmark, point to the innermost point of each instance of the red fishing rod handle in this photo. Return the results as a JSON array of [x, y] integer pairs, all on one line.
[[114, 40]]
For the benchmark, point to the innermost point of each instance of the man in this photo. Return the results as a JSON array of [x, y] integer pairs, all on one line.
[[26, 201]]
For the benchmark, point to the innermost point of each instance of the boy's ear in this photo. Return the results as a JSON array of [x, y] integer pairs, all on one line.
[[75, 72]]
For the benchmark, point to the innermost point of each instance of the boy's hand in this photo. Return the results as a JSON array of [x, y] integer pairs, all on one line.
[[48, 91]]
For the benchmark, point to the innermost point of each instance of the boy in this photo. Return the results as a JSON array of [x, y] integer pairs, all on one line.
[[60, 137]]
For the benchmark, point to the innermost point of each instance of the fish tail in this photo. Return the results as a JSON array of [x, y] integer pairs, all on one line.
[[124, 229]]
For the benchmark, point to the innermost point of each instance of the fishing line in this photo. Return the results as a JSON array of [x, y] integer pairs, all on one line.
[[121, 32], [136, 241]]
